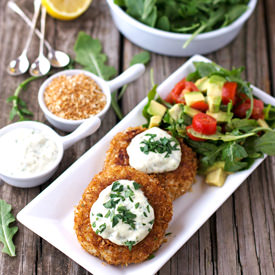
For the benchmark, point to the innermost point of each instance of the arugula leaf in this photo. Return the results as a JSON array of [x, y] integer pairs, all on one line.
[[6, 232], [232, 154], [142, 57], [89, 55], [266, 144]]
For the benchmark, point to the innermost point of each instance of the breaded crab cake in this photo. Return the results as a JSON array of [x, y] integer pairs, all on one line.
[[89, 234], [175, 182]]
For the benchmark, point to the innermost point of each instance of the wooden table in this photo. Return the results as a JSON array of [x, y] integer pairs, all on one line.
[[240, 237]]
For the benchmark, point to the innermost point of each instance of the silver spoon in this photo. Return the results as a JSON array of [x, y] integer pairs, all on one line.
[[21, 64], [41, 66], [57, 58]]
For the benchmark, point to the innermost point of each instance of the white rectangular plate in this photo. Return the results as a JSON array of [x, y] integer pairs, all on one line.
[[50, 214]]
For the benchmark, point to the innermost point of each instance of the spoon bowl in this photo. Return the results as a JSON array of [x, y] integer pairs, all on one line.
[[58, 59], [19, 65], [41, 66]]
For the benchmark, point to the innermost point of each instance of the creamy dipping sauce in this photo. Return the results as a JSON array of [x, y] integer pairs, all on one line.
[[26, 152], [154, 151], [122, 214]]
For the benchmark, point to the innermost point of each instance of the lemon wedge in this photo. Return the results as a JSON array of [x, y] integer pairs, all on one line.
[[66, 9]]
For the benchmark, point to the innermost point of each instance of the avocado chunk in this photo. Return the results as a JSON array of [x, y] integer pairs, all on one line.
[[193, 97], [221, 116], [214, 103], [202, 84], [218, 80], [155, 121], [156, 109], [215, 166], [190, 111], [214, 92], [176, 111], [216, 177]]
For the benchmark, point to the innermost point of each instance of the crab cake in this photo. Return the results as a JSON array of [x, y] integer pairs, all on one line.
[[113, 205], [175, 182]]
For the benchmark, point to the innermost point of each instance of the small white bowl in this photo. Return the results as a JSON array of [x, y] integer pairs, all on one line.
[[85, 129], [107, 88], [169, 43]]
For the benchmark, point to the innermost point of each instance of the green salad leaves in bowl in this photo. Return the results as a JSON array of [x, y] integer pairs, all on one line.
[[181, 27]]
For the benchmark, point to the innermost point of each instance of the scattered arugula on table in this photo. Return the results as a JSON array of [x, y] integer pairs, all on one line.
[[185, 16], [241, 144], [6, 232]]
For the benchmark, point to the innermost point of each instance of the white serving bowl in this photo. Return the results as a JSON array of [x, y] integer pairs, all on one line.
[[107, 88], [62, 142], [169, 43]]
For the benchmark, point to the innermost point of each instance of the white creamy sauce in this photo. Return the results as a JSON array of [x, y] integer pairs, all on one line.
[[150, 152], [26, 152], [122, 214]]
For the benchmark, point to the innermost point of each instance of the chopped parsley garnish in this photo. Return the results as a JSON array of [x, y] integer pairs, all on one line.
[[93, 225], [130, 198], [117, 187], [127, 216], [129, 192], [101, 228], [151, 257], [148, 208], [130, 244], [137, 205], [163, 145], [145, 215], [108, 214], [136, 185], [115, 220], [111, 203], [99, 215], [151, 222]]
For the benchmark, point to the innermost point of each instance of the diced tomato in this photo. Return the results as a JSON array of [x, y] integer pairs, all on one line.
[[182, 87], [200, 105], [229, 92], [257, 112], [204, 124], [191, 136], [169, 99]]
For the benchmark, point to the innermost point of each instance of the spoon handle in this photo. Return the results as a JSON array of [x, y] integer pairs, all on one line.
[[42, 28], [37, 5], [15, 8]]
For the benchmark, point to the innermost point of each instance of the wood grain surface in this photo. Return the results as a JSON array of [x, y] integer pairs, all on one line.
[[240, 237]]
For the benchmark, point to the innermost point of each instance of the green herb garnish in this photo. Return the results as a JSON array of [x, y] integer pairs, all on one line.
[[137, 205], [163, 145], [101, 228], [130, 244], [6, 232], [136, 185]]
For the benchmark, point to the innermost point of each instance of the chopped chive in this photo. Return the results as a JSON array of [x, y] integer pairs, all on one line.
[[94, 224], [145, 214], [130, 198], [169, 233], [99, 215], [148, 208], [137, 205], [151, 257], [151, 222]]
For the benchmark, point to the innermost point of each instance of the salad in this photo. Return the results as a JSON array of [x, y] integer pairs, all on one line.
[[185, 16], [215, 112]]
